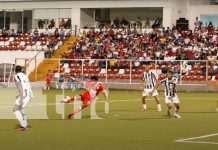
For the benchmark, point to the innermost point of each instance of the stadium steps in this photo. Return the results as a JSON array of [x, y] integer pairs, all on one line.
[[51, 64]]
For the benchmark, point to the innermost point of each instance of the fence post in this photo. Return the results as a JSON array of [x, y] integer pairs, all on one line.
[[130, 72], [106, 70], [180, 71]]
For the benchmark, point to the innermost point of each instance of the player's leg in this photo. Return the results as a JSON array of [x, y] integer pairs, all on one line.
[[20, 115], [169, 105], [76, 111], [155, 95], [144, 95], [177, 105]]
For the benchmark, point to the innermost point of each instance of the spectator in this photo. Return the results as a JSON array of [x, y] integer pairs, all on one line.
[[124, 22], [68, 24], [147, 23], [52, 24], [40, 24], [157, 23], [62, 24], [116, 23]]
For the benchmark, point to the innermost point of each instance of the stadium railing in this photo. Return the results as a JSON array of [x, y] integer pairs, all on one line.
[[126, 71]]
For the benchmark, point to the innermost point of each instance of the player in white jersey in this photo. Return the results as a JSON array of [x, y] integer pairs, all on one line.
[[25, 95], [148, 82], [169, 84]]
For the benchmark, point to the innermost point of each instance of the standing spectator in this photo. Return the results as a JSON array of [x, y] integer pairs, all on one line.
[[197, 24], [147, 23], [40, 24], [116, 22], [49, 77], [56, 33], [62, 23], [52, 24], [68, 24], [138, 22], [157, 23]]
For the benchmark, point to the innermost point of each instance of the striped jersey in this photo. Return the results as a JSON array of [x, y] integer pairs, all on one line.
[[24, 81], [149, 79], [169, 86]]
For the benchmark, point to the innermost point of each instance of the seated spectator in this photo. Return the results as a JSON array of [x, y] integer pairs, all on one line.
[[47, 32], [56, 33], [12, 33], [62, 33]]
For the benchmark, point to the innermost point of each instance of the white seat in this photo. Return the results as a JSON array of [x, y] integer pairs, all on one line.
[[66, 65], [121, 71], [103, 71], [67, 70], [22, 43], [11, 39]]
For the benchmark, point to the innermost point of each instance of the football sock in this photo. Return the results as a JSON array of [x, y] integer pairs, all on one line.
[[144, 106], [20, 118], [158, 106], [24, 117], [177, 111]]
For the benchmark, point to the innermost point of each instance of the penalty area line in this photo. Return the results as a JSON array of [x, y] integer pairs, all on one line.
[[189, 140]]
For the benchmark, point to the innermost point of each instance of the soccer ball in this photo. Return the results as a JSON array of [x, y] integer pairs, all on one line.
[[66, 99]]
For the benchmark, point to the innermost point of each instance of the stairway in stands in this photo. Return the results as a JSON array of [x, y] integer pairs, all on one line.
[[50, 64]]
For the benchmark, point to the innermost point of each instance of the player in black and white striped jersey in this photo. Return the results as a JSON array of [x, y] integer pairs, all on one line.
[[148, 82], [169, 84], [25, 95]]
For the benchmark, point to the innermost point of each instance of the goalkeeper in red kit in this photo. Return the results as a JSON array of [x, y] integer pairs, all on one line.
[[93, 88]]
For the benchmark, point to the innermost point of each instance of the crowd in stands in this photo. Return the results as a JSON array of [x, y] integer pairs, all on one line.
[[160, 44], [45, 41]]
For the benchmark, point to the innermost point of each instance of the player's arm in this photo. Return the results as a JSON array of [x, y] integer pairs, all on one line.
[[141, 85], [20, 91], [158, 83]]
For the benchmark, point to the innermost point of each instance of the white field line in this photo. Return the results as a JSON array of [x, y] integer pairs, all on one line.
[[188, 140], [9, 105]]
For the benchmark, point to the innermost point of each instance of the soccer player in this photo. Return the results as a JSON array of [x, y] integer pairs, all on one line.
[[148, 82], [93, 88], [25, 95], [48, 80], [169, 84]]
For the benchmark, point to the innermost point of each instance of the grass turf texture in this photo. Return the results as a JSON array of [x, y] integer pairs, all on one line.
[[126, 127]]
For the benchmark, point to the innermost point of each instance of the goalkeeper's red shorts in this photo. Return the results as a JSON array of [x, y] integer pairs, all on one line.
[[86, 98]]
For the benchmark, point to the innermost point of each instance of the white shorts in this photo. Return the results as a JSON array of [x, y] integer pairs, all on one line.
[[147, 92], [170, 99], [26, 99]]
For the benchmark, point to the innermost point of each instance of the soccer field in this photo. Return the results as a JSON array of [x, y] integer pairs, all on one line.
[[125, 127]]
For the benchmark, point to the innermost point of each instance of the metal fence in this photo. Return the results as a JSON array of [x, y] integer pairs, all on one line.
[[122, 70]]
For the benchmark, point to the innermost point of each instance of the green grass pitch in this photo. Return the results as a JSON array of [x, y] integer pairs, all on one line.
[[126, 127]]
